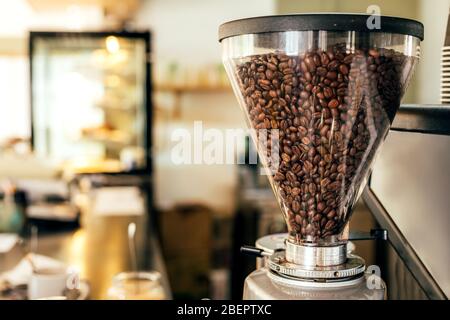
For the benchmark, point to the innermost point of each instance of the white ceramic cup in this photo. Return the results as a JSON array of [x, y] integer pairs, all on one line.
[[46, 283]]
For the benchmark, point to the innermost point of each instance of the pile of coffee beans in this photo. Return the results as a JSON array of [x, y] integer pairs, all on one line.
[[331, 110]]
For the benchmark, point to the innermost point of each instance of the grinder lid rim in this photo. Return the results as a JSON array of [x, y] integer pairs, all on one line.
[[319, 22]]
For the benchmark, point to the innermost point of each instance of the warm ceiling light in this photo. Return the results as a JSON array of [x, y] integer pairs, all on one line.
[[112, 44]]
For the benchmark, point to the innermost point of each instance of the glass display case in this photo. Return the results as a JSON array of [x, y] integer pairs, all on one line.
[[91, 99]]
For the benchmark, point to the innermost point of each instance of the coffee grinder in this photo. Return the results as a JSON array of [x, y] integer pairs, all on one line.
[[319, 92]]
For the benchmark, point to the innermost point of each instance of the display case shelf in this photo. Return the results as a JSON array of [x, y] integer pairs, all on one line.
[[94, 86]]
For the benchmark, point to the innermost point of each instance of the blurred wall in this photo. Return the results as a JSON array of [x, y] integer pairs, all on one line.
[[185, 33], [402, 8], [16, 19], [434, 15], [424, 87]]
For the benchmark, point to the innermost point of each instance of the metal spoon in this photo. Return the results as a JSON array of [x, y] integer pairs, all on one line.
[[132, 246], [33, 248]]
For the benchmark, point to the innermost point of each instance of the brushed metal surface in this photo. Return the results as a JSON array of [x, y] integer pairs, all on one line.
[[313, 256], [259, 285], [352, 267], [411, 178]]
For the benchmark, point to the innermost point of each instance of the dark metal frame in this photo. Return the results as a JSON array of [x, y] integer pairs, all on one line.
[[144, 35], [433, 119], [319, 22]]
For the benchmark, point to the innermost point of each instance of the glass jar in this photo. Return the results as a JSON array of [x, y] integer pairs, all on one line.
[[319, 92], [142, 285]]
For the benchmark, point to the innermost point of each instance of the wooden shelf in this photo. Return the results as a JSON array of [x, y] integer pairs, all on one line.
[[179, 91], [193, 89]]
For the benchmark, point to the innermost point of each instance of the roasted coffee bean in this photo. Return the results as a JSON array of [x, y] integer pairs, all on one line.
[[325, 182], [333, 65], [327, 92], [333, 104], [305, 140], [317, 217], [279, 176], [331, 214], [324, 131], [331, 109], [295, 206], [291, 176], [321, 206], [272, 66], [322, 71], [261, 116], [343, 69], [310, 64], [330, 224], [334, 186], [295, 191], [285, 157], [374, 53], [307, 166], [324, 58], [332, 75]]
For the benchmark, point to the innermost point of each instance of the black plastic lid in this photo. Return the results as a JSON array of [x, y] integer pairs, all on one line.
[[319, 21]]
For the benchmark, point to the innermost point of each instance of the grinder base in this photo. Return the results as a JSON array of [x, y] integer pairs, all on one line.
[[353, 267], [278, 278], [310, 263], [264, 284]]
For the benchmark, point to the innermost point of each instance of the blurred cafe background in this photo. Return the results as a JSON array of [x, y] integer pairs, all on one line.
[[91, 92]]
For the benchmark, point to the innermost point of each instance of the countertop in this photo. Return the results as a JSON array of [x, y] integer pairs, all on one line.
[[98, 250]]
